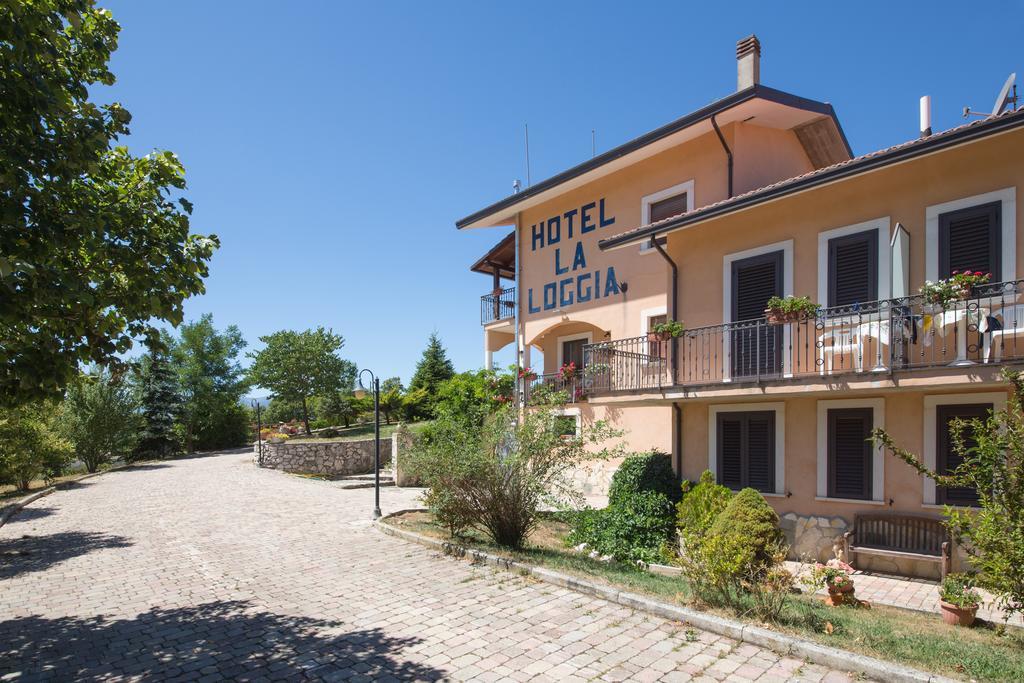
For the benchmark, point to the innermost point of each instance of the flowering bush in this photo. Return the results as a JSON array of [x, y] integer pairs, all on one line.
[[568, 371], [955, 288]]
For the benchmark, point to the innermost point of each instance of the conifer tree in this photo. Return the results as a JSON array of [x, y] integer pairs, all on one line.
[[160, 403], [433, 368]]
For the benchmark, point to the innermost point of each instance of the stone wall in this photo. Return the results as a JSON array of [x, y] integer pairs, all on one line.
[[818, 538], [332, 458]]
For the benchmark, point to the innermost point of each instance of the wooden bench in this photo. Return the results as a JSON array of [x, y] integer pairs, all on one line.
[[900, 535]]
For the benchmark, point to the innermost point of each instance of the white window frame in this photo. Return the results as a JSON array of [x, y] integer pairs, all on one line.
[[571, 412], [877, 406], [786, 247], [1008, 223], [648, 313], [931, 427], [589, 336], [884, 255], [779, 408], [647, 246]]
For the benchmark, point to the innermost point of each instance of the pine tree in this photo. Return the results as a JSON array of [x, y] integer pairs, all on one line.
[[433, 368], [160, 403]]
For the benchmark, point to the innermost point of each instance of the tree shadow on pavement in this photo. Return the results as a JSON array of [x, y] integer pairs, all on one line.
[[29, 514], [35, 553], [234, 639]]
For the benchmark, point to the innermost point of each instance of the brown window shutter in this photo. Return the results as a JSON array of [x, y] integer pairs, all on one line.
[[946, 457], [746, 450], [970, 239], [853, 269], [666, 208], [849, 453]]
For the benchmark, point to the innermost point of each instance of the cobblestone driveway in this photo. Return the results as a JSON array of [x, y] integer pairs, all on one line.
[[209, 569]]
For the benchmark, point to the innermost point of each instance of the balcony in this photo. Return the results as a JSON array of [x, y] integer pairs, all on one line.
[[881, 337], [550, 388], [497, 306]]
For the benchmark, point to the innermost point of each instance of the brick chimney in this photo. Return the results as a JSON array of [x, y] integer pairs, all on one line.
[[748, 62]]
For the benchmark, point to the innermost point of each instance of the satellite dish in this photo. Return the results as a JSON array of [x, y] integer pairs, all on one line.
[[1004, 96]]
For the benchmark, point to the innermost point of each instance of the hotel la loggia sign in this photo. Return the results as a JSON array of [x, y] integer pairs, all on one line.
[[573, 283]]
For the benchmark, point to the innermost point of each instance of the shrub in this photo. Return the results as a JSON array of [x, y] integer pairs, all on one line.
[[29, 446], [501, 473], [738, 553], [994, 466], [642, 472], [700, 505], [100, 418], [638, 521]]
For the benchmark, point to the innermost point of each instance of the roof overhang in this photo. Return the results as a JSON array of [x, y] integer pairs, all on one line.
[[500, 257], [815, 123], [867, 163]]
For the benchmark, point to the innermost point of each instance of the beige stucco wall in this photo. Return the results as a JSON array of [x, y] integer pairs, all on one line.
[[900, 192], [761, 155]]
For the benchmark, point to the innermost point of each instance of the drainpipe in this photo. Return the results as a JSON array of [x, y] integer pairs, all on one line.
[[675, 305], [728, 152], [678, 446]]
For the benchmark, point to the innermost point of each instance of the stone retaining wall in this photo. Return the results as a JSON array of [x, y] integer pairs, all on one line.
[[332, 458]]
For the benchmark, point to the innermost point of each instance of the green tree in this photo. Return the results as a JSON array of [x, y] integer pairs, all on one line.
[[100, 418], [993, 465], [391, 402], [29, 445], [160, 399], [212, 383], [392, 383], [95, 247], [339, 406], [296, 366], [433, 369]]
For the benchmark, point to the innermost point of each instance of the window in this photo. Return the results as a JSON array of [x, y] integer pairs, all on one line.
[[850, 453], [672, 201], [655, 348], [853, 268], [565, 425], [970, 239], [756, 349], [572, 352], [746, 450], [946, 458]]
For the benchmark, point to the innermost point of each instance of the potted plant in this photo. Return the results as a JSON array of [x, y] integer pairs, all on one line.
[[836, 580], [789, 309], [958, 600], [528, 374], [957, 287], [670, 329], [568, 371]]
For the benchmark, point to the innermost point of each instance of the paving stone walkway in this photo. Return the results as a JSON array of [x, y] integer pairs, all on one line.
[[209, 569]]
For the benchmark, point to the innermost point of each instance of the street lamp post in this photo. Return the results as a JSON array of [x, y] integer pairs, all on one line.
[[259, 432], [375, 383]]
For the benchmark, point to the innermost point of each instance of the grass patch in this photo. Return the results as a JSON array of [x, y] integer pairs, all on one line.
[[985, 652], [358, 432], [10, 492]]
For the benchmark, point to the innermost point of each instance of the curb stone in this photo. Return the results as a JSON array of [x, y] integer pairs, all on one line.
[[737, 630]]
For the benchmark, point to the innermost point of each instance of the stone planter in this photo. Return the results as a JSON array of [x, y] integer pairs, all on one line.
[[957, 616]]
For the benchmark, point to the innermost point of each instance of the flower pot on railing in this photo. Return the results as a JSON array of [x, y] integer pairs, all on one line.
[[658, 336], [792, 309]]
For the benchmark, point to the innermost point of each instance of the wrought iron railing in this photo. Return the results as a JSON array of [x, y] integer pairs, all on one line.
[[884, 336], [499, 305], [553, 388], [627, 364]]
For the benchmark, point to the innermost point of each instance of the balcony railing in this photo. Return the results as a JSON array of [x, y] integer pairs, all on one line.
[[497, 306], [886, 336], [551, 388], [626, 364]]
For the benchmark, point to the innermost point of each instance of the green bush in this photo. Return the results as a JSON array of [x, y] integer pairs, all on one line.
[[742, 548], [650, 471], [634, 530], [700, 505], [638, 522]]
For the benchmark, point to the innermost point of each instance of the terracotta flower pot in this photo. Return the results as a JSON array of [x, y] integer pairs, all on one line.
[[957, 616], [777, 317], [841, 595], [658, 336]]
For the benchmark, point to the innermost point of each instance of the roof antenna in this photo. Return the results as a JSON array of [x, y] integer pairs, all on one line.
[[593, 143], [1003, 100], [526, 126]]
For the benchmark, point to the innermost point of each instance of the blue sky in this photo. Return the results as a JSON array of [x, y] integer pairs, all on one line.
[[333, 145]]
